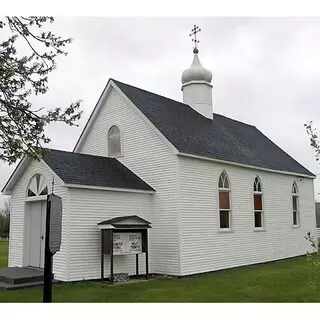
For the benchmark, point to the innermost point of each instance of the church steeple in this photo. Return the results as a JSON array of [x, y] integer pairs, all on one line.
[[196, 83]]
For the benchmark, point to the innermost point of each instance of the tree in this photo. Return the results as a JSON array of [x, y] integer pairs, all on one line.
[[21, 76], [314, 256], [5, 220]]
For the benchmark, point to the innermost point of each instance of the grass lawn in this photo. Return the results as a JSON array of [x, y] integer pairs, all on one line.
[[3, 253], [281, 281]]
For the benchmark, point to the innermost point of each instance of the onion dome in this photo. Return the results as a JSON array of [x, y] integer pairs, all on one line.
[[196, 72]]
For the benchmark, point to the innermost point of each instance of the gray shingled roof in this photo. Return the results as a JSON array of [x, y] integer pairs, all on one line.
[[223, 138], [77, 168]]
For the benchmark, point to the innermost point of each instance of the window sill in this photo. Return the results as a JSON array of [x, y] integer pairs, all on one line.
[[296, 227], [226, 231], [259, 230]]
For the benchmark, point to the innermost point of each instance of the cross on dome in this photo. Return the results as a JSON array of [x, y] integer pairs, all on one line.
[[194, 32]]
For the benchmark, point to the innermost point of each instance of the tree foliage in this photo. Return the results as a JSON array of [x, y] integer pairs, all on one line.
[[314, 142], [21, 76], [5, 220]]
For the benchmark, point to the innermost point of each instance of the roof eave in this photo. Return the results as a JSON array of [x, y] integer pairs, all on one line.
[[82, 186]]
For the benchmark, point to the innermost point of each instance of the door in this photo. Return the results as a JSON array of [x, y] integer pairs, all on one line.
[[37, 233]]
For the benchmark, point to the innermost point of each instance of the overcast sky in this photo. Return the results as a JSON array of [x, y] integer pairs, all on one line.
[[266, 71]]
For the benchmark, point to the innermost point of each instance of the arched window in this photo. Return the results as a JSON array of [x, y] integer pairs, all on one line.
[[37, 186], [224, 201], [295, 205], [114, 142], [258, 203]]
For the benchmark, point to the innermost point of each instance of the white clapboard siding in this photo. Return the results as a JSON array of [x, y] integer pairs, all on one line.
[[17, 217], [89, 207], [148, 156], [205, 249]]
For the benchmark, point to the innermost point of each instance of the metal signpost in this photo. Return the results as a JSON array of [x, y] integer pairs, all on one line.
[[52, 241]]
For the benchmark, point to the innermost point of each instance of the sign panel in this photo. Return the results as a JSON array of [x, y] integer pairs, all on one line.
[[55, 222], [127, 243]]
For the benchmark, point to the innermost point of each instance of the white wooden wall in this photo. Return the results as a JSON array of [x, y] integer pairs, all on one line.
[[148, 156], [89, 207], [205, 248], [17, 216]]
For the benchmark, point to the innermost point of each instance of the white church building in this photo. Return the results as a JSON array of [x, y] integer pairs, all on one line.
[[217, 192]]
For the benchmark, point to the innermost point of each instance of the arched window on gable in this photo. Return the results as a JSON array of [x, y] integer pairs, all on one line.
[[295, 205], [114, 142], [224, 201], [258, 204], [37, 186]]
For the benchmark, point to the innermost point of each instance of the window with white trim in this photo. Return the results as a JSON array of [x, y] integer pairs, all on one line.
[[224, 202], [114, 142], [258, 204], [37, 186], [295, 205]]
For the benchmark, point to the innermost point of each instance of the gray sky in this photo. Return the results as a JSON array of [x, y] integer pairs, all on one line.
[[266, 71]]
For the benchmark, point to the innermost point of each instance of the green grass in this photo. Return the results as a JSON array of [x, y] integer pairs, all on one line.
[[281, 281], [3, 253]]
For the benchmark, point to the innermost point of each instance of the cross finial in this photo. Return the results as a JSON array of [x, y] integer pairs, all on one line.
[[194, 32]]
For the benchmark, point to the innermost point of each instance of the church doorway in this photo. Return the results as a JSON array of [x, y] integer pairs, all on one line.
[[35, 222]]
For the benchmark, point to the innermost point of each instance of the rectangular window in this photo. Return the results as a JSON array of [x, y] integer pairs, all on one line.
[[258, 219], [224, 209], [258, 213], [224, 200], [295, 218], [295, 213], [257, 202], [294, 203], [224, 219]]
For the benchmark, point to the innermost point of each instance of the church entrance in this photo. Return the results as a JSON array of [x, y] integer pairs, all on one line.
[[36, 234], [35, 222]]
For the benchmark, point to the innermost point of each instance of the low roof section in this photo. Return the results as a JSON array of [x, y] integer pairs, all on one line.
[[77, 169], [90, 170]]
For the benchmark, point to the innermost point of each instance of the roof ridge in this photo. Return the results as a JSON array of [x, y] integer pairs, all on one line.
[[176, 101], [156, 94]]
